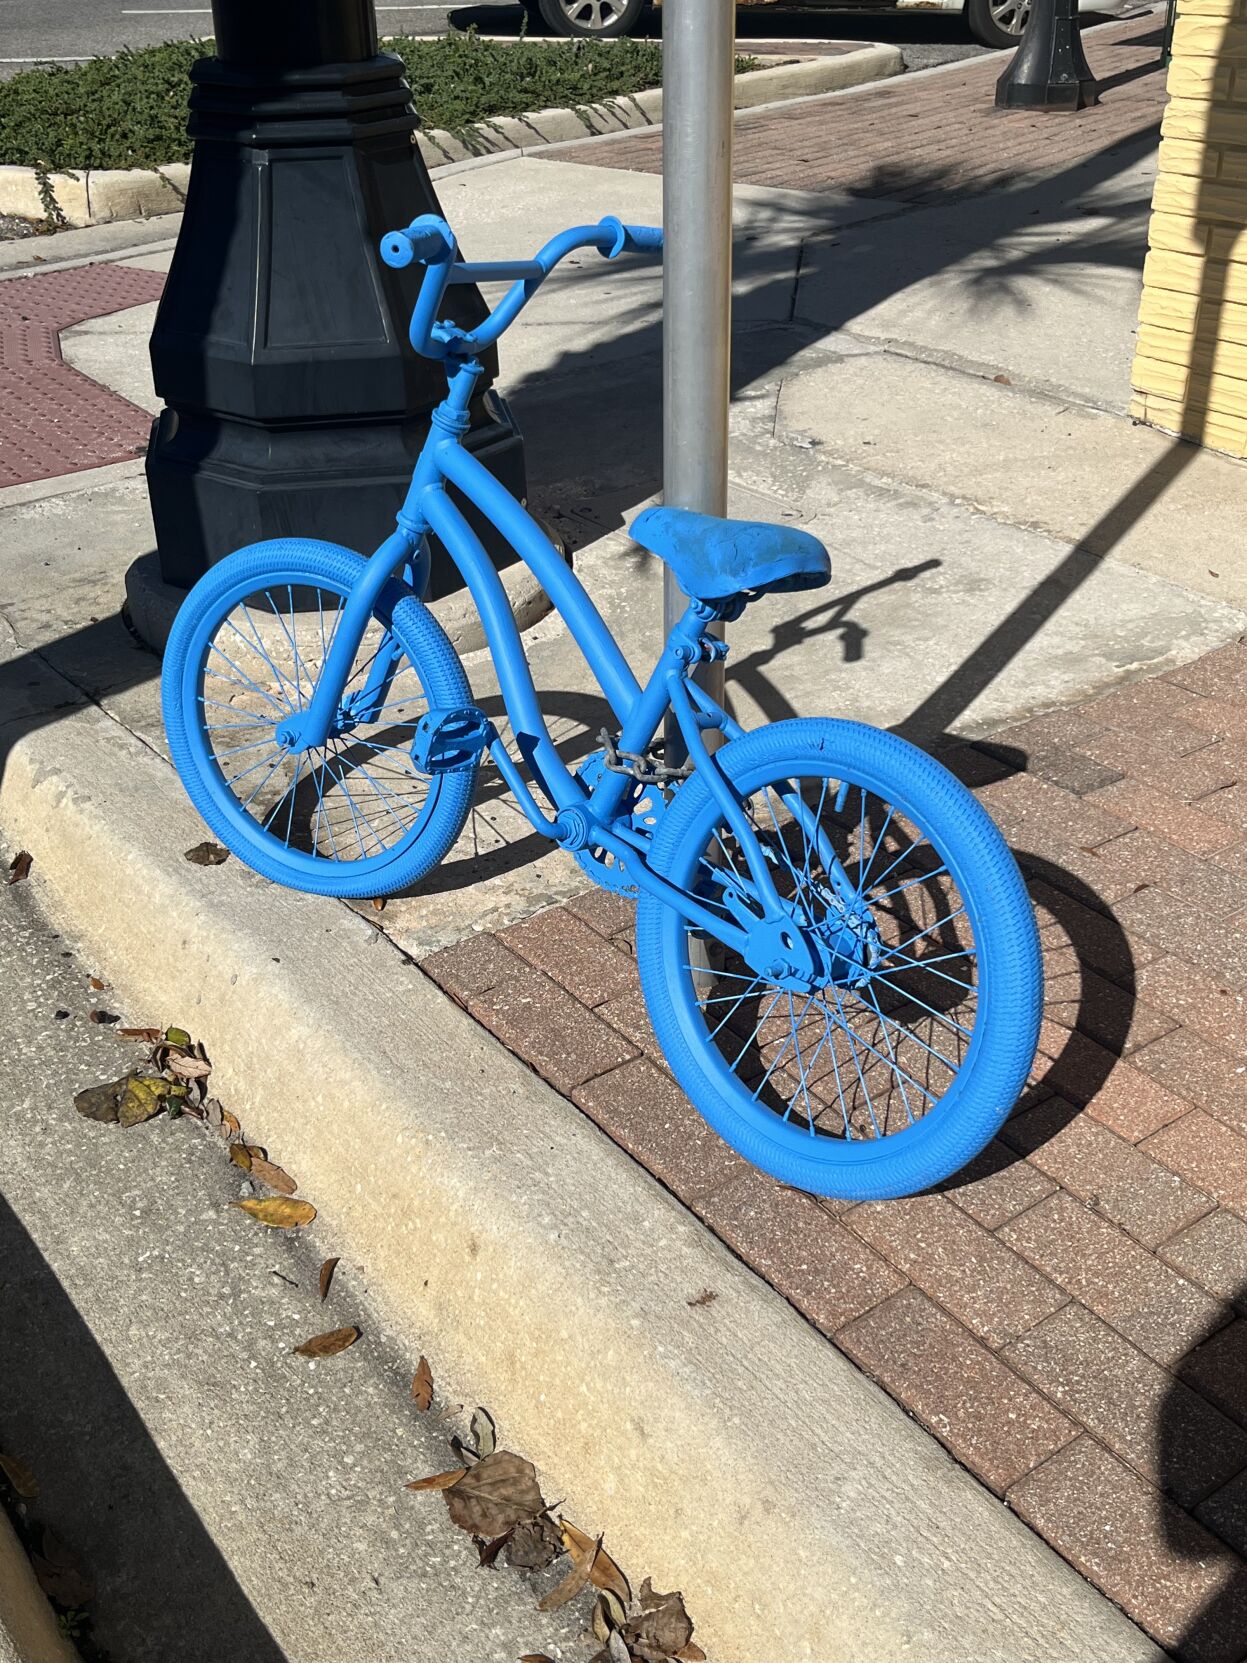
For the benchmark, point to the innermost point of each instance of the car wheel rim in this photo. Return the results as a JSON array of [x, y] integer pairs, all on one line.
[[1010, 15], [593, 15]]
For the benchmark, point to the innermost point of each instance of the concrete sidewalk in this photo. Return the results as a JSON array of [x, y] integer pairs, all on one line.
[[913, 386]]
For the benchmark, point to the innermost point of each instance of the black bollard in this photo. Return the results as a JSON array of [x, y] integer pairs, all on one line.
[[294, 404], [1049, 70]]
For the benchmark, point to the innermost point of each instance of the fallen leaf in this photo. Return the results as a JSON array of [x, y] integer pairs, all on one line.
[[692, 1653], [177, 1036], [328, 1345], [19, 866], [438, 1481], [141, 1100], [536, 1657], [103, 1019], [603, 1572], [60, 1573], [663, 1627], [149, 1036], [422, 1385], [617, 1648], [326, 1277], [487, 1552], [279, 1212], [215, 1115], [19, 1476], [240, 1155], [188, 1068], [613, 1608], [230, 1127], [702, 1298], [207, 854], [535, 1543], [101, 1102], [267, 1173], [574, 1581], [499, 1491], [484, 1434]]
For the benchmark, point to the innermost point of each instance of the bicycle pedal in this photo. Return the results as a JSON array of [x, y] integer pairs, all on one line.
[[449, 738]]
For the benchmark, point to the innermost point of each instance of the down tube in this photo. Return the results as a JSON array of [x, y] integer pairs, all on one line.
[[601, 652], [518, 693]]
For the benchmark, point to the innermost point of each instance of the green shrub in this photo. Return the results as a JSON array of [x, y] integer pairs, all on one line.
[[130, 110]]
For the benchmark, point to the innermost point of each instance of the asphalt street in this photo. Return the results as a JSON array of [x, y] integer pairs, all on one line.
[[36, 31]]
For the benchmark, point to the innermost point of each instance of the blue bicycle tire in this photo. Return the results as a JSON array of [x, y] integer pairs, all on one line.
[[291, 564], [1008, 991]]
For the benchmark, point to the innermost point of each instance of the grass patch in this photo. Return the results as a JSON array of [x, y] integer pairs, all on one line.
[[130, 110]]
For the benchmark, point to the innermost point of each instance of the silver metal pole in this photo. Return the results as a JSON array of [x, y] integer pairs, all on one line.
[[699, 48]]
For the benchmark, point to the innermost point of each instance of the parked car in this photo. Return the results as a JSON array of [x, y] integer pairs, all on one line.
[[996, 23]]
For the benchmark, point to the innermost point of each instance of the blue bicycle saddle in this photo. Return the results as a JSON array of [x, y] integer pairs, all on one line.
[[714, 559]]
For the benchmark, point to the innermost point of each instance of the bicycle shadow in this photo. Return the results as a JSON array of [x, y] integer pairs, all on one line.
[[105, 1489]]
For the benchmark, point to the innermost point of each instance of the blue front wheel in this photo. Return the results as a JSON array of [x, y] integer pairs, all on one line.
[[355, 816], [889, 1064]]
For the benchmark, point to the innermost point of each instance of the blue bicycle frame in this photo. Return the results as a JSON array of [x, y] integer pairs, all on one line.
[[583, 817]]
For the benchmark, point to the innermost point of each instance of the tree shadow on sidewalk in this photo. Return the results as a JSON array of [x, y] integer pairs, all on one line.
[[163, 1589]]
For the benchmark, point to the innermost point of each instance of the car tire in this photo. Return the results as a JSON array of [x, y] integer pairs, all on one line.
[[593, 19], [997, 23]]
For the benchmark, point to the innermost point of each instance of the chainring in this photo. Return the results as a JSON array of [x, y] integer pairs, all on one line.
[[640, 812]]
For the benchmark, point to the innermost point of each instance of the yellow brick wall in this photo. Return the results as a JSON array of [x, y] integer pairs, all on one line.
[[1190, 367]]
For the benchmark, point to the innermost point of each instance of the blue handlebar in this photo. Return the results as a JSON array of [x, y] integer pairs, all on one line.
[[429, 241]]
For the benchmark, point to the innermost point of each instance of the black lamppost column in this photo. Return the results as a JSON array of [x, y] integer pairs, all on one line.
[[1049, 70], [294, 404]]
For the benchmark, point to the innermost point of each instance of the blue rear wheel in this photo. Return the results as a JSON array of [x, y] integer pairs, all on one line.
[[894, 1065], [354, 817]]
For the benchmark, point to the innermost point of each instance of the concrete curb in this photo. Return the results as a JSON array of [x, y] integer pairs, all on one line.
[[28, 1628], [728, 1450], [100, 196]]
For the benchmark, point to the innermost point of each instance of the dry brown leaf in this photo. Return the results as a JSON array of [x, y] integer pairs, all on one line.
[[274, 1176], [188, 1068], [60, 1573], [692, 1653], [438, 1480], [279, 1212], [535, 1543], [100, 1102], [499, 1491], [487, 1552], [149, 1036], [574, 1581], [663, 1627], [326, 1277], [229, 1125], [207, 854], [19, 866], [536, 1657], [422, 1385], [604, 1572], [240, 1155], [20, 1477], [328, 1345]]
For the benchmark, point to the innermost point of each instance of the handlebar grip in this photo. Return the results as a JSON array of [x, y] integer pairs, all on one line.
[[425, 240], [629, 239]]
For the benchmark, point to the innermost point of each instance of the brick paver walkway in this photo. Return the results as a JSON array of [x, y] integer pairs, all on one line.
[[1069, 1317], [932, 136], [53, 419]]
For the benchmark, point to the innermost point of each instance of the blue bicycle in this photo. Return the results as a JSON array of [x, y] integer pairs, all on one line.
[[835, 945]]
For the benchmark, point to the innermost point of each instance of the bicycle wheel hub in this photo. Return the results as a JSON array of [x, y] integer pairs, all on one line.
[[839, 951]]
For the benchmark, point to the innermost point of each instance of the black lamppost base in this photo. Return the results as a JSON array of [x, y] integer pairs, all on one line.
[[1049, 70], [294, 403]]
